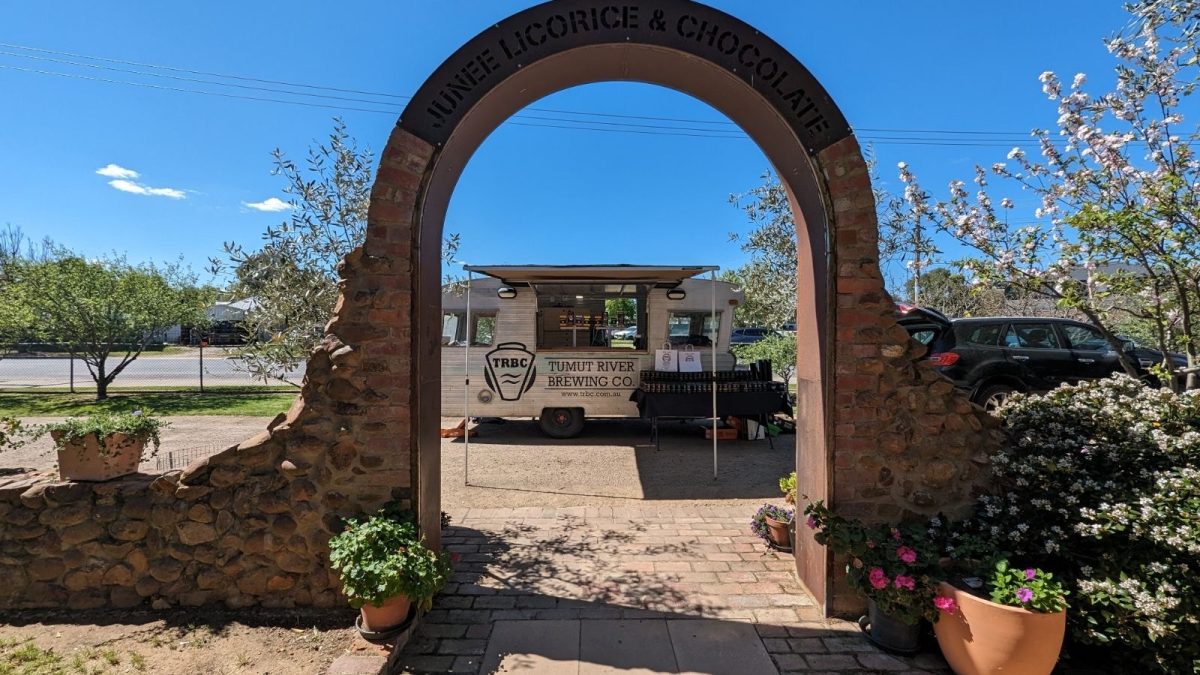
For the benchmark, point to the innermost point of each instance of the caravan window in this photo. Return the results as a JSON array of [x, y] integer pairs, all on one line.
[[692, 328], [591, 316], [454, 329]]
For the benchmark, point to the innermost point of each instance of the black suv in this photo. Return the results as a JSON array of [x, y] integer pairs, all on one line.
[[992, 357]]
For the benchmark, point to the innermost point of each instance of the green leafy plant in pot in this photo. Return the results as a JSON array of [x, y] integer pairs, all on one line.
[[386, 569], [103, 446]]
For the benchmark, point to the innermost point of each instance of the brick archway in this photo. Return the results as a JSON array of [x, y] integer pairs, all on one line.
[[864, 404], [882, 436]]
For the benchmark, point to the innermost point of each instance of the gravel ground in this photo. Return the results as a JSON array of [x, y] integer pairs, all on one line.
[[186, 439], [611, 463], [513, 464]]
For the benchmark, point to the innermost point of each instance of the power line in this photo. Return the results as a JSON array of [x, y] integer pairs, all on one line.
[[403, 97], [935, 137]]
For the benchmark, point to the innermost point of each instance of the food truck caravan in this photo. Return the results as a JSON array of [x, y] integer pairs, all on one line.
[[563, 343]]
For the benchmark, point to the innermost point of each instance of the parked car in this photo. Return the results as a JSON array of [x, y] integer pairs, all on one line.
[[990, 358], [748, 336], [627, 333]]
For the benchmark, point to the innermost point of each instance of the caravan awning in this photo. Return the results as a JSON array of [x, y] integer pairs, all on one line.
[[589, 274]]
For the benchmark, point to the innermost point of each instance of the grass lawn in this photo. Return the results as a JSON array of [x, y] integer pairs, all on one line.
[[249, 404]]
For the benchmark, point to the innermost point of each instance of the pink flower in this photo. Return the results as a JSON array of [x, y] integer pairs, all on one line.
[[904, 581], [812, 523], [1030, 574], [870, 544], [878, 579], [947, 605], [906, 554], [895, 534], [1024, 594]]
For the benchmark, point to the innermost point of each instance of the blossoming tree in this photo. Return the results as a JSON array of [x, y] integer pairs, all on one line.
[[1117, 230]]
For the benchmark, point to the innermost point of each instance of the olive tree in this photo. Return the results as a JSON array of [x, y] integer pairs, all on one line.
[[779, 349], [105, 312], [293, 277]]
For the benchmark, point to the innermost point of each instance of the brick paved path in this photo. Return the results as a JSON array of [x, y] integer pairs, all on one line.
[[563, 567]]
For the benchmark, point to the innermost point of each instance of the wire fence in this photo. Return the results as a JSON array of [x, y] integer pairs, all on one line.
[[175, 369]]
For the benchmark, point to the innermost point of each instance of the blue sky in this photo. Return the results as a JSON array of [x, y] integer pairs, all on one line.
[[531, 194]]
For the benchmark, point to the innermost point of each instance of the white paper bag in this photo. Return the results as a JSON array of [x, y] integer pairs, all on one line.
[[689, 361], [666, 359]]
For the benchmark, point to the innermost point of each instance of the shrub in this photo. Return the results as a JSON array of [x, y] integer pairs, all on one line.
[[1100, 483]]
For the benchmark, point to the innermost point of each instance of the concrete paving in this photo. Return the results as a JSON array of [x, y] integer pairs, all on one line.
[[630, 589]]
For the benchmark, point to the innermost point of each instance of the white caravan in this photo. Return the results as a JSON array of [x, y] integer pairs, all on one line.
[[561, 343]]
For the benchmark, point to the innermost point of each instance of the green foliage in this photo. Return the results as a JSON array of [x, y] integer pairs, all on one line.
[[235, 401], [13, 434], [105, 309], [787, 485], [779, 349], [769, 279], [383, 557], [1028, 588], [1099, 483], [896, 566], [137, 426], [293, 276], [621, 311]]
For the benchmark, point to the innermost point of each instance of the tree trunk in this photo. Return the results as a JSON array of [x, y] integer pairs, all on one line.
[[101, 382]]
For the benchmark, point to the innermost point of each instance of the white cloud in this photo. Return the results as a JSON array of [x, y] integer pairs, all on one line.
[[139, 189], [115, 171], [270, 205]]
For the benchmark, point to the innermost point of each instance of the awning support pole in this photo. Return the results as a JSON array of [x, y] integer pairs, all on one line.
[[715, 337], [467, 391]]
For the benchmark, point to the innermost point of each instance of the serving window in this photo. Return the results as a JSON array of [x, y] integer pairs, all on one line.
[[591, 316], [454, 329]]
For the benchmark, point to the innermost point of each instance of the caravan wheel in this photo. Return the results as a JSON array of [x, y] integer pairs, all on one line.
[[561, 422]]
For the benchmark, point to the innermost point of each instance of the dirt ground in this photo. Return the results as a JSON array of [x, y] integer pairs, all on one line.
[[613, 462], [174, 643]]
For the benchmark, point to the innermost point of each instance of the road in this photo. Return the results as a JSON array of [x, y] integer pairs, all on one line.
[[182, 371]]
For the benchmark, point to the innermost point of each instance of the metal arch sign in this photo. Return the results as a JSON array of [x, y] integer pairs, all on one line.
[[561, 25]]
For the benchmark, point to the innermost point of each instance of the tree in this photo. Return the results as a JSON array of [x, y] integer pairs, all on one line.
[[293, 277], [779, 349], [106, 308], [904, 236], [769, 279], [1117, 228]]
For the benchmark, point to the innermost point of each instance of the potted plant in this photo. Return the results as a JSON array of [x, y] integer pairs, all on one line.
[[1020, 630], [894, 567], [103, 446], [787, 485], [773, 524], [387, 572]]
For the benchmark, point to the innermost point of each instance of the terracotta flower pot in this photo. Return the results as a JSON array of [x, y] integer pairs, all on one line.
[[984, 637], [81, 459], [780, 531], [390, 614]]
